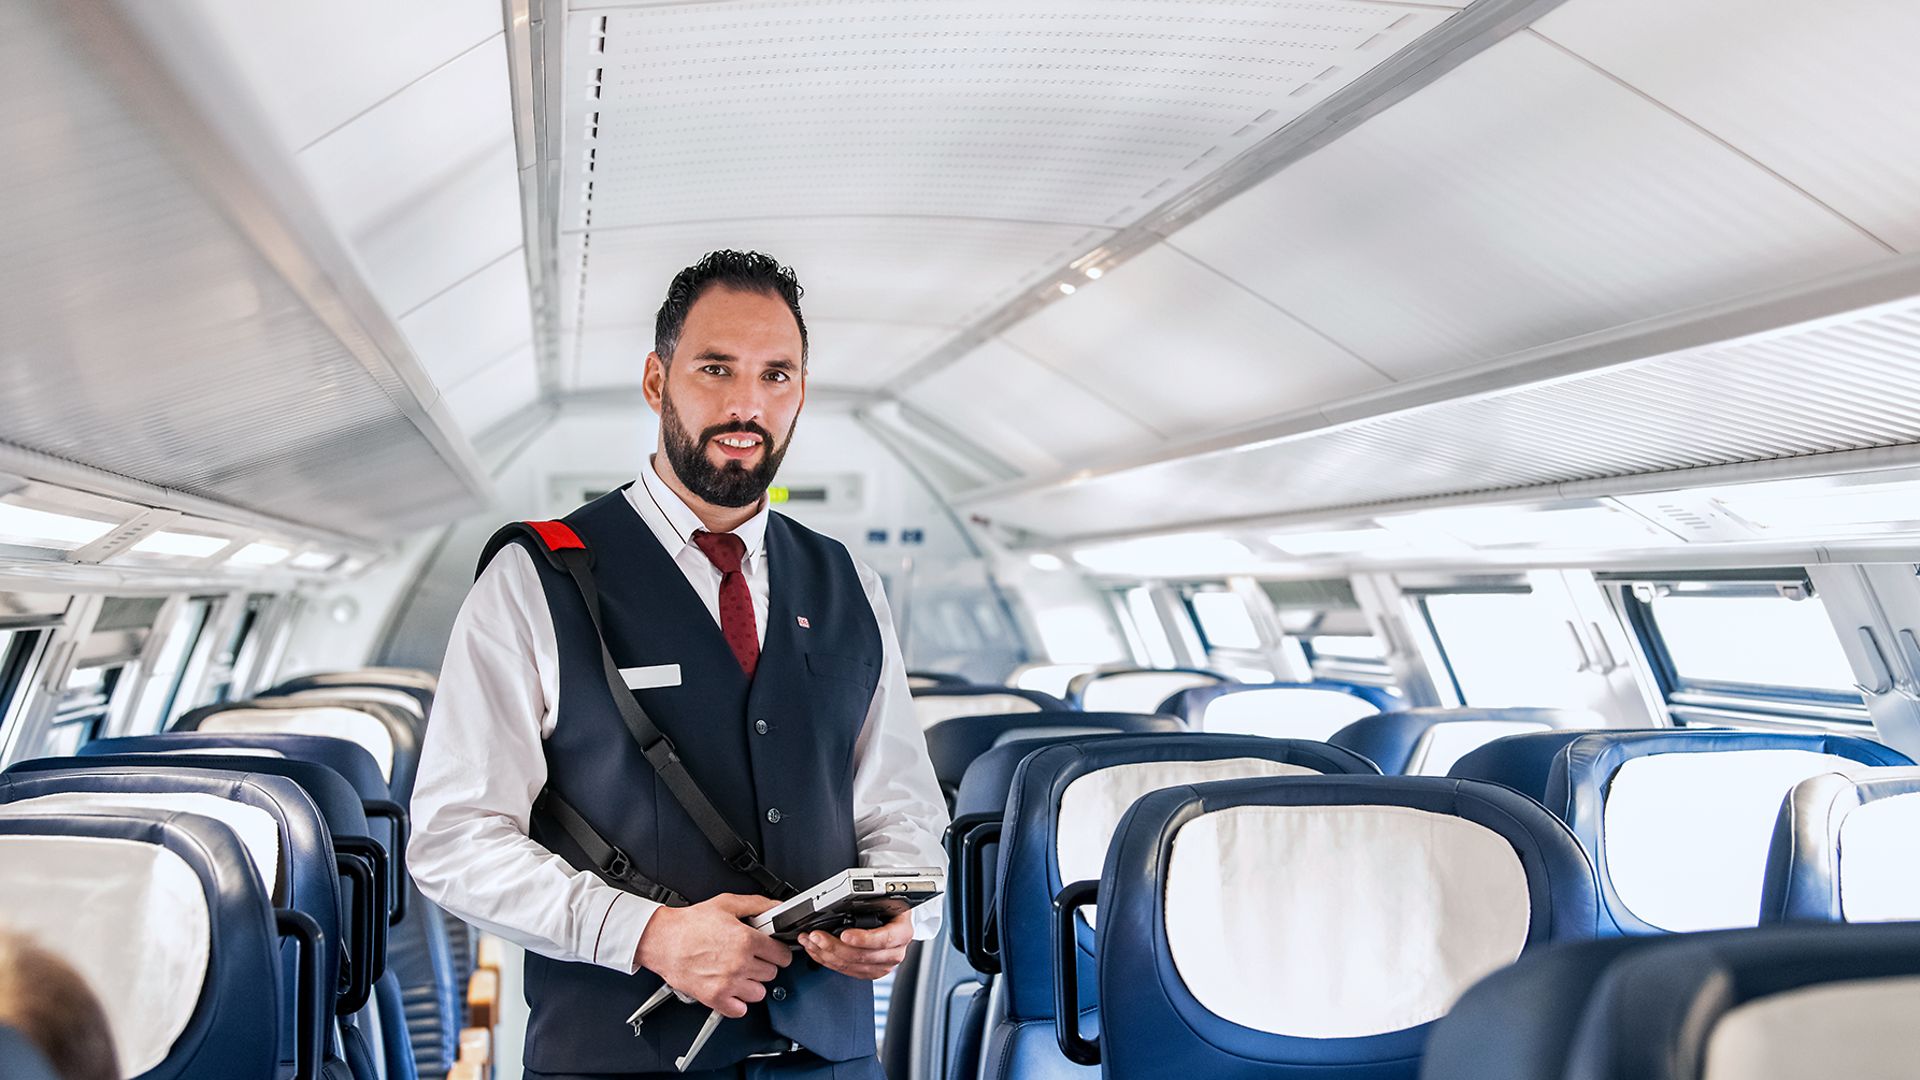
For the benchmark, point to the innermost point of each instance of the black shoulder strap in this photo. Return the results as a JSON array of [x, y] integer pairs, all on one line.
[[565, 550]]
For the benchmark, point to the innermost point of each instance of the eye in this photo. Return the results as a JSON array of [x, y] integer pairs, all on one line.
[[779, 376], [713, 369]]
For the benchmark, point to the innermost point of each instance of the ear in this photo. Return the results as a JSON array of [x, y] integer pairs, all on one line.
[[653, 384]]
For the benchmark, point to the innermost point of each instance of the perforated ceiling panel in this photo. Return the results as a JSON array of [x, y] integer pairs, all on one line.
[[147, 336], [959, 150], [1846, 384]]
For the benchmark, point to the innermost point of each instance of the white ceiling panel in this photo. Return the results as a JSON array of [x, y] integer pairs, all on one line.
[[494, 392], [472, 324], [609, 357], [918, 273], [1823, 94], [463, 225], [1034, 418], [1522, 199], [315, 66], [864, 354], [1184, 349], [1087, 111], [414, 143]]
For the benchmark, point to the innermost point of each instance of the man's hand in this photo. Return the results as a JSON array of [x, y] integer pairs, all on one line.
[[707, 953], [863, 954]]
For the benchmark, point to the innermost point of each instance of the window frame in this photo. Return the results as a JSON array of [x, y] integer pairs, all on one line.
[[1420, 596], [1716, 703]]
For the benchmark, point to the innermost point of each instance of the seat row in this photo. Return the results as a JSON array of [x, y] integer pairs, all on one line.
[[246, 904], [1113, 897]]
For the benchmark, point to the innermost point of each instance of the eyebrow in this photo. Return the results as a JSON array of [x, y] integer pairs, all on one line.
[[716, 356]]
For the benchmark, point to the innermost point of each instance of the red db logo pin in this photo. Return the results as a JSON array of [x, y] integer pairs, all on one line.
[[802, 620]]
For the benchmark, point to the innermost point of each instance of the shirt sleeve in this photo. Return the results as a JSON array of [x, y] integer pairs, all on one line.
[[481, 767], [899, 814]]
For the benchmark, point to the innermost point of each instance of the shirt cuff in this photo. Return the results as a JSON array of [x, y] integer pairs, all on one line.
[[617, 941]]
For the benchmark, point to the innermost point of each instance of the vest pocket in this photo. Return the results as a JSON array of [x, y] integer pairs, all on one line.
[[843, 667]]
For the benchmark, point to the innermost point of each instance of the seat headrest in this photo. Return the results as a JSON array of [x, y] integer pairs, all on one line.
[[1679, 822], [1521, 762], [347, 758], [386, 733], [1844, 849], [379, 695], [955, 744], [338, 803], [1303, 710], [935, 704], [1135, 689], [1367, 904], [1065, 800], [177, 892], [1427, 742]]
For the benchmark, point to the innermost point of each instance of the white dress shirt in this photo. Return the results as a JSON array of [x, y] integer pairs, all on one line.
[[482, 764]]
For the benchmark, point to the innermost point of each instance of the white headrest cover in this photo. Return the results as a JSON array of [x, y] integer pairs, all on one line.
[[1137, 691], [1686, 835], [222, 751], [257, 830], [1284, 712], [1330, 922], [1048, 678], [1880, 860], [1861, 1029], [1092, 805], [337, 721], [379, 695], [1445, 743], [130, 917], [933, 708]]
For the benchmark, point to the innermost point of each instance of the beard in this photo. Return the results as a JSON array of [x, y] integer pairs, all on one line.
[[729, 484]]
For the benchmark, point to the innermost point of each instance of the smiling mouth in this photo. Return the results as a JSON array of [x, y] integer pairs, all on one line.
[[738, 445]]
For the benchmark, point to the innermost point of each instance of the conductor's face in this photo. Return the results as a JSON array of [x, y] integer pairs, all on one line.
[[730, 395]]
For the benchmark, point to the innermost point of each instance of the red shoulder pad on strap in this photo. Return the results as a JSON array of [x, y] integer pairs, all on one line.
[[557, 535]]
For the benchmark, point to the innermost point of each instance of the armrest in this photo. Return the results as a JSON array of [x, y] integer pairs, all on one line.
[[483, 998]]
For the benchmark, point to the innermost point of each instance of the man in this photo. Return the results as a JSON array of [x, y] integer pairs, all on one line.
[[764, 652]]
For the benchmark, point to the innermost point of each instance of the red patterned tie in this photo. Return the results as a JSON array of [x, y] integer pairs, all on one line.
[[725, 551]]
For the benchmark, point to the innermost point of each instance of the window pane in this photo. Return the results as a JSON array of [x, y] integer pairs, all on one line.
[[1224, 621], [1344, 647], [1153, 633], [1505, 649], [1755, 640]]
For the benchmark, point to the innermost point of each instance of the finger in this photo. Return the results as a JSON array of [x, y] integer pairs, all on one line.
[[893, 934], [759, 970], [746, 990], [856, 953], [729, 1007], [765, 948], [741, 904]]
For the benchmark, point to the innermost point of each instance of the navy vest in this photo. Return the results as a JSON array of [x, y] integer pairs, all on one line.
[[775, 755]]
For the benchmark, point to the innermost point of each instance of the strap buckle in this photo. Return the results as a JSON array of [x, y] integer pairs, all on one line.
[[618, 865]]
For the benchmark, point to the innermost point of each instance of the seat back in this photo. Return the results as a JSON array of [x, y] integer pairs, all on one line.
[[935, 704], [393, 697], [1308, 710], [421, 685], [1047, 678], [1139, 690], [924, 680], [384, 732], [276, 821], [179, 895], [1428, 742], [1521, 762], [1678, 822], [1846, 848], [1367, 906], [1771, 1003], [954, 744], [1065, 801]]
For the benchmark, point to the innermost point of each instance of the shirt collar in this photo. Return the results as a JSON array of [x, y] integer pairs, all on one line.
[[674, 522]]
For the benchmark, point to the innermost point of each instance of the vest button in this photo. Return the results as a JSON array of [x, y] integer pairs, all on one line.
[[760, 726], [773, 816], [778, 993]]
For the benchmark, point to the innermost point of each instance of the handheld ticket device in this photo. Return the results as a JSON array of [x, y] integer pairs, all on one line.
[[865, 898]]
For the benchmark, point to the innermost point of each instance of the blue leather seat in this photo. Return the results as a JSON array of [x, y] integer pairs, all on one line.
[[1303, 710], [180, 892], [1678, 822], [1521, 762], [1427, 742], [1313, 926], [920, 680], [383, 731], [936, 704], [1131, 689], [273, 814], [955, 744], [1757, 1004], [420, 685], [20, 1059], [1065, 800], [1842, 848], [433, 998]]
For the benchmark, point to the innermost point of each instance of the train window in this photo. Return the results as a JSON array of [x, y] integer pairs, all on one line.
[[83, 709], [1223, 620], [1149, 631], [1503, 648], [1744, 653], [160, 702]]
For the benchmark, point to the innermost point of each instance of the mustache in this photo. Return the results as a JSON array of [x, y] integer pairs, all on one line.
[[736, 427]]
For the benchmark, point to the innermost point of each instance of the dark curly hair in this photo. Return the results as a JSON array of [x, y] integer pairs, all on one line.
[[746, 271]]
